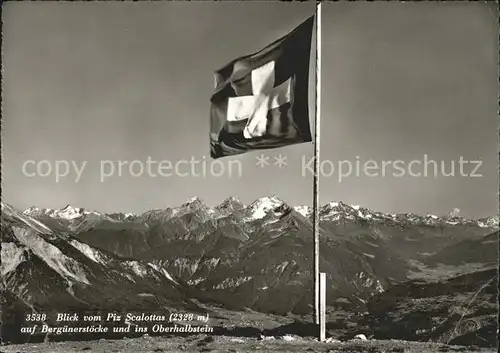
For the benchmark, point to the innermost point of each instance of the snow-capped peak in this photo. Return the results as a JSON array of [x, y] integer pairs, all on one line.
[[260, 208], [194, 199], [67, 212], [30, 210], [335, 207], [192, 203], [228, 206], [337, 210], [303, 210]]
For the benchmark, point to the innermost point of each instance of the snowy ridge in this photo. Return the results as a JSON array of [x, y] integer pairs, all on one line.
[[337, 211], [305, 211], [76, 219], [333, 211], [192, 205]]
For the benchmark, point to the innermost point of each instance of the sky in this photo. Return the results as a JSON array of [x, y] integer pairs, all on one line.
[[99, 83]]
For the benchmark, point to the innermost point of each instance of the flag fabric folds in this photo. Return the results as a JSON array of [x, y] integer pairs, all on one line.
[[260, 101]]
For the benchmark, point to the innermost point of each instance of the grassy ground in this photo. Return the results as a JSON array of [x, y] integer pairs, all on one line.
[[204, 343]]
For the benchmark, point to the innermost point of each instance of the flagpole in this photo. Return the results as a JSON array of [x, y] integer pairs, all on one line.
[[317, 164]]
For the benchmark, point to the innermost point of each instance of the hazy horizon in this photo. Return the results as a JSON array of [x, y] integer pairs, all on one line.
[[126, 81]]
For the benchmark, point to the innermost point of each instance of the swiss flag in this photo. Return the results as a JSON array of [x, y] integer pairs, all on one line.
[[260, 100]]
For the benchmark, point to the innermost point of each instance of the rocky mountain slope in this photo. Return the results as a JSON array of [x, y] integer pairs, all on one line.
[[50, 272]]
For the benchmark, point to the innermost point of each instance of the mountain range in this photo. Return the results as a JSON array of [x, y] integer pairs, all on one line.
[[259, 208], [238, 257]]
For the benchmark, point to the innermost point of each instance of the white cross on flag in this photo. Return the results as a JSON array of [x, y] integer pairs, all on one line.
[[261, 100]]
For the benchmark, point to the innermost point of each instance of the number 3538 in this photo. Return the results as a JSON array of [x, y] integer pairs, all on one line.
[[35, 317]]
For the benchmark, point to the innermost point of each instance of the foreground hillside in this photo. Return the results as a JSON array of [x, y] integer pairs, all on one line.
[[225, 344], [459, 310]]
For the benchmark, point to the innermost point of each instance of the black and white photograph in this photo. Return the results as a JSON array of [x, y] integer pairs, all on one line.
[[240, 176]]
